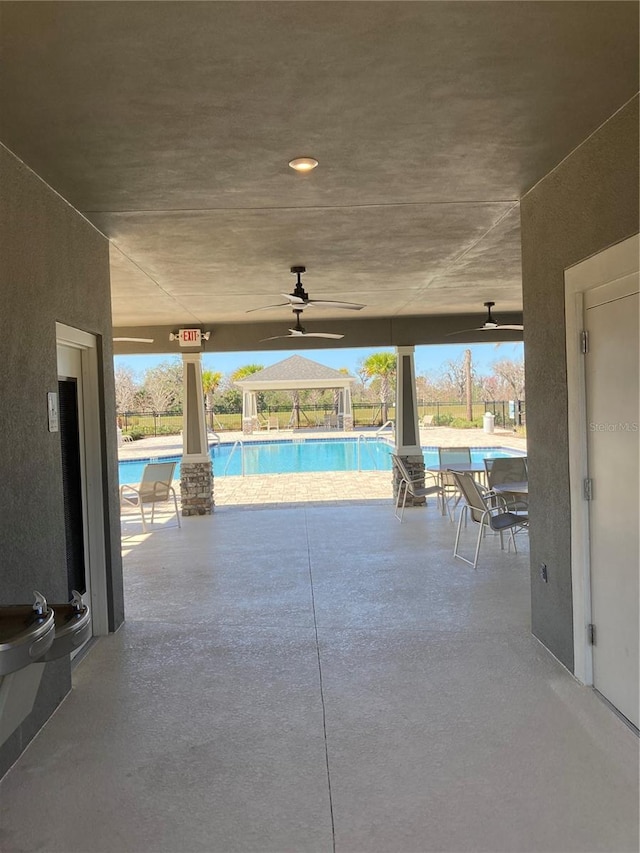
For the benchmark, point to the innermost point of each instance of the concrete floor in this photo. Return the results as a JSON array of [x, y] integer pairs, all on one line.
[[316, 678]]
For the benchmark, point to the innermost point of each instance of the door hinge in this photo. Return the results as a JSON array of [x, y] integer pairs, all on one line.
[[584, 342], [591, 635], [587, 486]]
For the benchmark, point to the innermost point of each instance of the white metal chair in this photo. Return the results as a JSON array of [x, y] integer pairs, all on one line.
[[489, 511], [154, 487], [408, 485]]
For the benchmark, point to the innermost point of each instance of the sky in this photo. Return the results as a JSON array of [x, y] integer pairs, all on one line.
[[429, 359]]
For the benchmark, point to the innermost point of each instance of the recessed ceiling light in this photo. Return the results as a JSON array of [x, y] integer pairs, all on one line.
[[303, 164]]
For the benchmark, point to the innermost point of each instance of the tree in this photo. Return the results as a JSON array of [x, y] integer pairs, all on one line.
[[362, 375], [127, 388], [468, 386], [211, 379], [245, 371], [163, 386], [512, 374], [382, 366]]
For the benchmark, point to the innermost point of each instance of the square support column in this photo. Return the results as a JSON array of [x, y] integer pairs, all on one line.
[[196, 471], [407, 430]]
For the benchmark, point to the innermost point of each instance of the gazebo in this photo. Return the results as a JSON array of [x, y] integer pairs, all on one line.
[[295, 373]]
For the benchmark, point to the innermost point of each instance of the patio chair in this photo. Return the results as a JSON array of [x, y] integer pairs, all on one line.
[[427, 421], [509, 469], [448, 484], [487, 510], [273, 422], [154, 487], [414, 486]]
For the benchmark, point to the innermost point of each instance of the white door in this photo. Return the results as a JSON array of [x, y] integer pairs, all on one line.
[[611, 387], [72, 438]]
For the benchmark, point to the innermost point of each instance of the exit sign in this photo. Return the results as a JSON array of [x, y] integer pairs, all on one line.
[[190, 337]]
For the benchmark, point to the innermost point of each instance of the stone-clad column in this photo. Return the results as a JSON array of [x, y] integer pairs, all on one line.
[[407, 431], [196, 472]]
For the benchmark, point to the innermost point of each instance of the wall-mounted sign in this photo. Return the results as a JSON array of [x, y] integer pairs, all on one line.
[[52, 411], [190, 337]]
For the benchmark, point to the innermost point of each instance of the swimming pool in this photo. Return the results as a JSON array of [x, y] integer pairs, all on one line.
[[302, 455]]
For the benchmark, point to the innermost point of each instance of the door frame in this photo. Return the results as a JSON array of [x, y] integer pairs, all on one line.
[[92, 492], [606, 267]]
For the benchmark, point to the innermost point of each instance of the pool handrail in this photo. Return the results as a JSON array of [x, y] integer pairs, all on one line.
[[239, 442], [363, 438]]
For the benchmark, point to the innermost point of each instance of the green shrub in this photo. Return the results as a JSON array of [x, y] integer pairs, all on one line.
[[135, 433], [463, 423]]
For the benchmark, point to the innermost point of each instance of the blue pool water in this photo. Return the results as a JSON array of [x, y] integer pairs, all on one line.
[[299, 455]]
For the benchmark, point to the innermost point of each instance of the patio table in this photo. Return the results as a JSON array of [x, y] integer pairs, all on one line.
[[461, 467], [519, 488]]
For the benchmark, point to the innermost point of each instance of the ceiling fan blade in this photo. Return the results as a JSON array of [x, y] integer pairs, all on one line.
[[295, 300], [268, 307], [322, 335], [134, 340], [328, 303], [486, 329]]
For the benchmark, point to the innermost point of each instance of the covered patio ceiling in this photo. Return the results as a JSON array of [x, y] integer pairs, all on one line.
[[170, 127]]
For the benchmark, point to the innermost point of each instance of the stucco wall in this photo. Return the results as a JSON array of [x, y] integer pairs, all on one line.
[[55, 267], [589, 202]]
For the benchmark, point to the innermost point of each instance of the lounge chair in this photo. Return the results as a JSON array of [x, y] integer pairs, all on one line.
[[427, 421], [414, 486], [489, 511], [154, 487]]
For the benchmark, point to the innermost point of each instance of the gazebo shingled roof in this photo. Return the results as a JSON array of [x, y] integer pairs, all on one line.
[[296, 372]]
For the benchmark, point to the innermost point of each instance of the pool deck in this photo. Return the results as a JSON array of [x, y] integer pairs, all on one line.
[[332, 487]]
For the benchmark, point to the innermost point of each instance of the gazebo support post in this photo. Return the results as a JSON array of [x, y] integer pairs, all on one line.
[[249, 412]]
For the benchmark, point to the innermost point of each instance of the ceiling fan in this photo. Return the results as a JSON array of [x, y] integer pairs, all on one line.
[[300, 298], [133, 340], [299, 331], [490, 324]]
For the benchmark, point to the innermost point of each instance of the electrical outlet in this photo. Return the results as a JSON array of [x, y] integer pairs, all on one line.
[[543, 572]]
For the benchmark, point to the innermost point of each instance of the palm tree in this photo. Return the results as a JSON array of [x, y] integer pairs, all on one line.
[[383, 366], [211, 379], [244, 371]]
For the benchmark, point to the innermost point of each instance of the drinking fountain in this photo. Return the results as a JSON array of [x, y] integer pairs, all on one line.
[[26, 633], [31, 636]]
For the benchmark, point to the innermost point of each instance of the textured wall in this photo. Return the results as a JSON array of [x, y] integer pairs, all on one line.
[[589, 202], [55, 267]]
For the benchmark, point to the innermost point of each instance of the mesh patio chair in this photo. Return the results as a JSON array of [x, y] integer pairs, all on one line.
[[450, 491], [489, 512], [154, 487], [511, 469], [414, 486]]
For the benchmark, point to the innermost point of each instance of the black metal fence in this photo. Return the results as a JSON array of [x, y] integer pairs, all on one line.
[[508, 413]]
